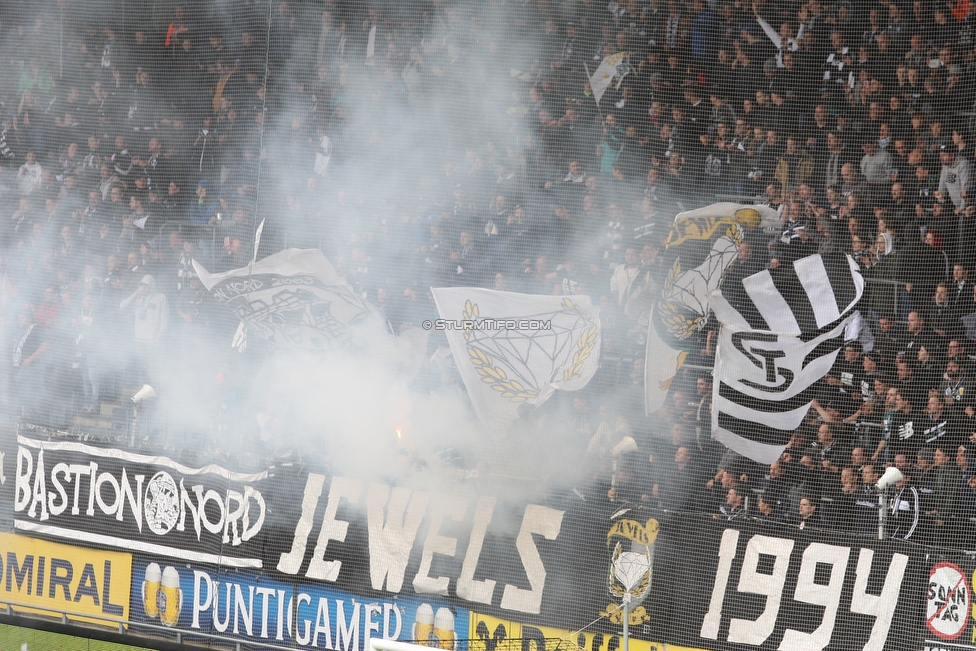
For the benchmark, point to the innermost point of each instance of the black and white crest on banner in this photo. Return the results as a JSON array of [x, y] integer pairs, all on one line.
[[781, 331], [296, 300], [162, 503], [115, 498], [296, 311]]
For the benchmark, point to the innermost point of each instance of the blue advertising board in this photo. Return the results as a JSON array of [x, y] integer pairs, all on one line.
[[246, 605]]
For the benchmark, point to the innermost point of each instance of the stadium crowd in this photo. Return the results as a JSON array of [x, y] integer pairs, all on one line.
[[134, 143]]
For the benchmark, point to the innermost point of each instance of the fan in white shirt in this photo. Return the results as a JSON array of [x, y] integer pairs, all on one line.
[[29, 175]]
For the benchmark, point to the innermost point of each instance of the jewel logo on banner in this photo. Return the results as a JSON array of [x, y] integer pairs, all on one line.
[[630, 544]]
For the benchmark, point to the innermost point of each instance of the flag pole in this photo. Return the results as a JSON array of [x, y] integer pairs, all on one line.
[[588, 78], [257, 241]]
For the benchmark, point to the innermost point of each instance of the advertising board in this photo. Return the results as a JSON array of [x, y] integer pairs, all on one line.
[[64, 578], [246, 605]]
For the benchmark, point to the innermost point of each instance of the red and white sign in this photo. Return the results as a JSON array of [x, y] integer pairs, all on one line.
[[948, 601]]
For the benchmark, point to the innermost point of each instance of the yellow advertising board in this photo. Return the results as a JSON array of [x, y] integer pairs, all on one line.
[[493, 634], [64, 578]]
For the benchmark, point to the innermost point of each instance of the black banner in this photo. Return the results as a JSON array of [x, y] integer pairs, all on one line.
[[373, 539], [369, 538], [712, 584], [119, 499], [742, 585]]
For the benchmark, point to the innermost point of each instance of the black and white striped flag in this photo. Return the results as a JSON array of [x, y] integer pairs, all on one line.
[[781, 332]]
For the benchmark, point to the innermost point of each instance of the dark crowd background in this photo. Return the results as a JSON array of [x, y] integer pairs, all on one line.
[[465, 148]]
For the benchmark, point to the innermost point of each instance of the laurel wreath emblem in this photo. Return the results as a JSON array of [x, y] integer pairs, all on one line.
[[511, 389], [678, 324], [496, 377], [673, 274], [585, 344], [734, 233], [470, 313], [617, 589]]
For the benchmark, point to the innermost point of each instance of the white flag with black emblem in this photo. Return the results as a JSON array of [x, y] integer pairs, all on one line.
[[780, 334], [297, 301]]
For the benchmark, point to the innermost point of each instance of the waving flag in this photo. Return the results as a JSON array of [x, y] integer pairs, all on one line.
[[295, 300], [616, 66], [704, 244], [512, 348], [780, 337]]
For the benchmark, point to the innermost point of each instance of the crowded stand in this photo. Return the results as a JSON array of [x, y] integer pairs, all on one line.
[[443, 144]]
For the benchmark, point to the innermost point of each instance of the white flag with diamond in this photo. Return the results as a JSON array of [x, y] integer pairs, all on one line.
[[512, 349]]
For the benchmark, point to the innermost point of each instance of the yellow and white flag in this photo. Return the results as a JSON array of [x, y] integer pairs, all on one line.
[[512, 348], [616, 66], [695, 272]]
